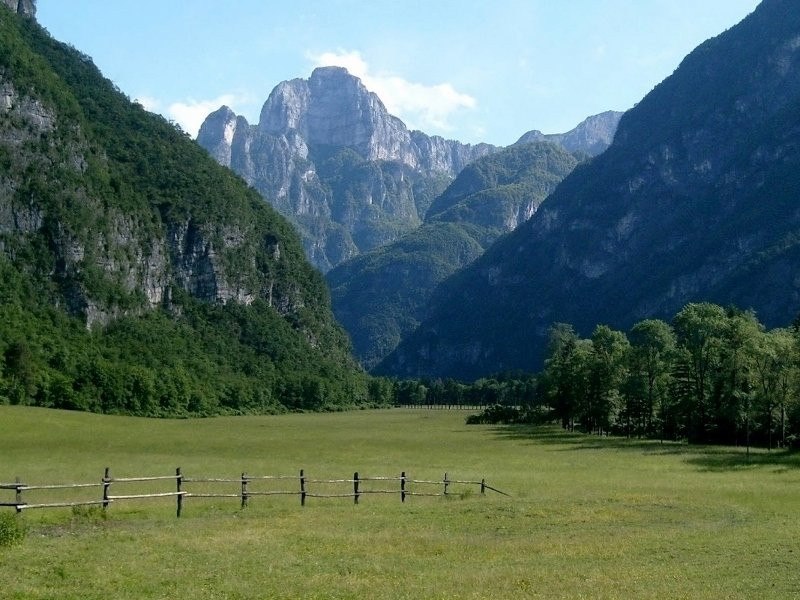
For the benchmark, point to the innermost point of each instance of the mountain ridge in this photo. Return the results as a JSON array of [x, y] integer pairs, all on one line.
[[389, 174], [137, 275], [389, 177], [381, 295], [694, 200], [592, 135]]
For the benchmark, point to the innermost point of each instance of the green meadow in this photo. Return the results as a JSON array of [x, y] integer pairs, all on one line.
[[589, 517]]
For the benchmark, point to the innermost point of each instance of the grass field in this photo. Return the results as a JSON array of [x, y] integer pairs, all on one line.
[[589, 517]]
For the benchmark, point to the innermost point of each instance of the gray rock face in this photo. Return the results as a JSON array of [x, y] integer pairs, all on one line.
[[188, 255], [593, 135], [328, 155], [23, 7], [333, 108]]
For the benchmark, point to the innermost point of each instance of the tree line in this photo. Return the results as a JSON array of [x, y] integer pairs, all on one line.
[[712, 375]]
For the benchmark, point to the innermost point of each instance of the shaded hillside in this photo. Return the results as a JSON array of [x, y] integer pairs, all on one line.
[[136, 274], [696, 199], [382, 295]]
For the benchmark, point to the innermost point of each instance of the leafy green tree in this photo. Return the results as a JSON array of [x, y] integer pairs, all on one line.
[[649, 376], [19, 371], [775, 371], [559, 378], [700, 329], [734, 389], [606, 371]]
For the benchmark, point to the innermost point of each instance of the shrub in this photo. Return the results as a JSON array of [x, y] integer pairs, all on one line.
[[497, 414], [12, 529]]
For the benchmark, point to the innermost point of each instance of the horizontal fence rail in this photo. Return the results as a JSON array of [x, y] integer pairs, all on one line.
[[202, 487]]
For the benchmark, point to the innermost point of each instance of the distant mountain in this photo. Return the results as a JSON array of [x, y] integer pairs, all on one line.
[[382, 295], [328, 155], [591, 136], [137, 275], [696, 199], [26, 8]]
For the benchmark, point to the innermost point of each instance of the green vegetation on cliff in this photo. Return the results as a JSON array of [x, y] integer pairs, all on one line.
[[381, 296], [138, 276]]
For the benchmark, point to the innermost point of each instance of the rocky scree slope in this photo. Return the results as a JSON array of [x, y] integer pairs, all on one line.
[[696, 199]]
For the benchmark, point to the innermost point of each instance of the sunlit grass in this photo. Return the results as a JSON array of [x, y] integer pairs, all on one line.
[[589, 517]]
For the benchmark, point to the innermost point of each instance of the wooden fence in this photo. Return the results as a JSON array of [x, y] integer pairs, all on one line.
[[246, 487]]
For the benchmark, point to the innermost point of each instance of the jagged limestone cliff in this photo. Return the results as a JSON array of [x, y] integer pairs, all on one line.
[[328, 155], [23, 7], [592, 136]]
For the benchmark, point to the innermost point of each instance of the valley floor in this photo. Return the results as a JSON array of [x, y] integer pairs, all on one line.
[[588, 517]]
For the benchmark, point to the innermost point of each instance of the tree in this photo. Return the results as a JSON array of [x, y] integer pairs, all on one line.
[[774, 372], [607, 371], [563, 372], [19, 370], [700, 329], [649, 375], [734, 386]]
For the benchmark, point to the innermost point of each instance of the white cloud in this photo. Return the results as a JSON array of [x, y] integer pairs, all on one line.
[[351, 61], [149, 103], [191, 113], [419, 105]]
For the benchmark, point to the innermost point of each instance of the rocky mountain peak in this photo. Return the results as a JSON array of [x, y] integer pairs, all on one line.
[[593, 135], [333, 108], [218, 132], [23, 7], [329, 156]]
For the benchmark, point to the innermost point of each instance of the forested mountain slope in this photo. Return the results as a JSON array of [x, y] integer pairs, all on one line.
[[136, 274], [696, 199], [382, 295]]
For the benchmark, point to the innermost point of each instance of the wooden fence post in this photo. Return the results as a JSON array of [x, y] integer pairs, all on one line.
[[355, 488], [445, 484], [302, 488], [403, 486], [178, 484], [18, 495], [106, 486], [483, 486], [244, 490]]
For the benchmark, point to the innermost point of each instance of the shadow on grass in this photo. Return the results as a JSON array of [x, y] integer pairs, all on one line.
[[707, 458]]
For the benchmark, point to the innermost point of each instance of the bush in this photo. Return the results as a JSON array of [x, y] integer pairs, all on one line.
[[497, 414], [12, 530]]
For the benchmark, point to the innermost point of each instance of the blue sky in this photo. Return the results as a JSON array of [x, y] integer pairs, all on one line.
[[473, 71]]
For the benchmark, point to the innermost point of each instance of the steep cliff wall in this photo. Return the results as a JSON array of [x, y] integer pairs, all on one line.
[[696, 199], [328, 155], [23, 7]]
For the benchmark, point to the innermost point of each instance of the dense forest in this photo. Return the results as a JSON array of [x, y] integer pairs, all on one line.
[[713, 375], [137, 275]]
